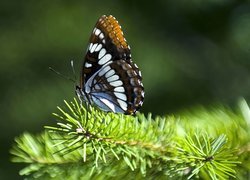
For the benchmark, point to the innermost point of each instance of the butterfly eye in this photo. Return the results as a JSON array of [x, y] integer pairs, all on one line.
[[109, 78]]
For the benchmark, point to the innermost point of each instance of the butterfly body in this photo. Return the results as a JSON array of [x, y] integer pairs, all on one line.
[[109, 78]]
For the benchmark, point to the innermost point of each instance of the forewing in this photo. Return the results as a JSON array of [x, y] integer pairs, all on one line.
[[106, 44]]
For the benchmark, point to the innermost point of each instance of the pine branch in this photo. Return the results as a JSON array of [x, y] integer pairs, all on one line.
[[100, 144]]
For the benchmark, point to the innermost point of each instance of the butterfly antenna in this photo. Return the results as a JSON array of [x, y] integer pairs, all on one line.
[[73, 69], [61, 75]]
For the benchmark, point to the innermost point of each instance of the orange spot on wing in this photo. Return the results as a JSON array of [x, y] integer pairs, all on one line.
[[112, 28]]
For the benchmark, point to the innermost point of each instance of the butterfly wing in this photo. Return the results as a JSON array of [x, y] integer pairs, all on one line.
[[109, 78], [106, 44], [116, 87]]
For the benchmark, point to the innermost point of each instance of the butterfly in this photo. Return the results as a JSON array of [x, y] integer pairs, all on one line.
[[109, 78]]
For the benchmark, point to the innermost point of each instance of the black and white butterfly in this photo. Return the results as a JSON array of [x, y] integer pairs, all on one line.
[[109, 78]]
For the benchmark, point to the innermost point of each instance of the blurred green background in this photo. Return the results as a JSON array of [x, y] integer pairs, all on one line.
[[190, 52]]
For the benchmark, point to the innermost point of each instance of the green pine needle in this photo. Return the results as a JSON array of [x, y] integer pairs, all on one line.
[[96, 144]]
